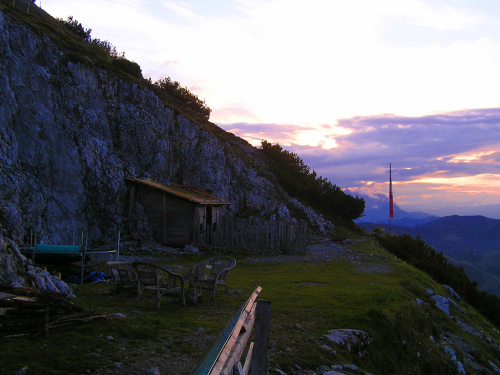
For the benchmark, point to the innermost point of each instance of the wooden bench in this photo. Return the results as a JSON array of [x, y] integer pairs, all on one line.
[[223, 358]]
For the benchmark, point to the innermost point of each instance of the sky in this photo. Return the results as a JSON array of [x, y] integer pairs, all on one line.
[[348, 85]]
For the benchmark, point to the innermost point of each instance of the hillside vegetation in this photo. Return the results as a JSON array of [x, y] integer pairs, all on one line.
[[417, 253], [363, 287], [316, 191], [471, 242]]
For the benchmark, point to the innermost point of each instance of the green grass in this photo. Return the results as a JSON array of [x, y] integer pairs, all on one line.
[[308, 299]]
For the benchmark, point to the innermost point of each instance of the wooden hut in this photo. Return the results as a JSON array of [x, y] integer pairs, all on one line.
[[175, 212]]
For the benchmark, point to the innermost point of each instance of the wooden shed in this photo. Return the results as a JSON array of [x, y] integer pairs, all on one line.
[[175, 212]]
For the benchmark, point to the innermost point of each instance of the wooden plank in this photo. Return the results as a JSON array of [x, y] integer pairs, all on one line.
[[235, 344], [259, 356], [248, 359], [237, 369], [210, 363], [240, 343]]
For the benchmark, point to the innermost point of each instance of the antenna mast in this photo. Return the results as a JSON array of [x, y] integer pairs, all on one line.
[[391, 199]]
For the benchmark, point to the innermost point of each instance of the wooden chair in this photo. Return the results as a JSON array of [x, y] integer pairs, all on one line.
[[122, 275], [159, 281], [215, 271]]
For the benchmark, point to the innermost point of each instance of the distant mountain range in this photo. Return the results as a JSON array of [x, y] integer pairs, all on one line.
[[377, 211], [472, 242], [469, 241]]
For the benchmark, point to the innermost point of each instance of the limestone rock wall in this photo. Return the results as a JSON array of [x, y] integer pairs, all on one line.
[[70, 133]]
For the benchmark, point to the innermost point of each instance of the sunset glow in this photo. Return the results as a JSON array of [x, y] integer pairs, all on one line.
[[348, 86]]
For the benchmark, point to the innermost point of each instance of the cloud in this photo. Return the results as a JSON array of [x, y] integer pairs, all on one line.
[[322, 136], [432, 138], [325, 78], [231, 114], [309, 61], [171, 63], [436, 159]]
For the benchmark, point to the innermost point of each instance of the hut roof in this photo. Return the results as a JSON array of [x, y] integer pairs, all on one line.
[[192, 194]]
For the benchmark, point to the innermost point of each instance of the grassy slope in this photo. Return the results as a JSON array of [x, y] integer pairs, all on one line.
[[308, 299]]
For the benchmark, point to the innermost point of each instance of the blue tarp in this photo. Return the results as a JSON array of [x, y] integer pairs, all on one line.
[[92, 277]]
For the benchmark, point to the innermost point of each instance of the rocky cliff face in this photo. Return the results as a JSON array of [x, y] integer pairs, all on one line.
[[70, 133]]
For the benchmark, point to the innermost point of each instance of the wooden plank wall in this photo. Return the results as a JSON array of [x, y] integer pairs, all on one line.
[[271, 237], [171, 218]]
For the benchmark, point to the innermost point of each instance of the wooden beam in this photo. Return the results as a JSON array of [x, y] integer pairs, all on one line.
[[248, 359], [219, 365], [262, 320], [238, 345]]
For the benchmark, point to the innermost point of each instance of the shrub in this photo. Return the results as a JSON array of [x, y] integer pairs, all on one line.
[[76, 28], [318, 192], [174, 89], [128, 67]]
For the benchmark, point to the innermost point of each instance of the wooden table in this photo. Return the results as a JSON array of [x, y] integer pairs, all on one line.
[[194, 282]]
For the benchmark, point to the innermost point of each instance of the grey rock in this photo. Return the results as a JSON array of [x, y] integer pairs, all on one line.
[[350, 367], [442, 303], [353, 340], [452, 292], [494, 367], [191, 249], [460, 368], [327, 348]]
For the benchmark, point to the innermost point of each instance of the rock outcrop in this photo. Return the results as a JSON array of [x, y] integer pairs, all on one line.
[[71, 132]]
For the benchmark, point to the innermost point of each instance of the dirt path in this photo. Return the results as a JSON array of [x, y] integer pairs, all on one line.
[[327, 251]]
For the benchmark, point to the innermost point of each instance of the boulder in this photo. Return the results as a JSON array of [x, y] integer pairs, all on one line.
[[354, 341]]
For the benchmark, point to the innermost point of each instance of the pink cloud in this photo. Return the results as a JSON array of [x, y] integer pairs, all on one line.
[[171, 63], [232, 114]]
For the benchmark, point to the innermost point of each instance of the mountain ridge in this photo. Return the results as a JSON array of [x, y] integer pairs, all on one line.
[[465, 240]]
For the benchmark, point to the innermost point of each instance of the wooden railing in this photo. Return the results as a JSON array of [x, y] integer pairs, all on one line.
[[272, 237], [224, 357]]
